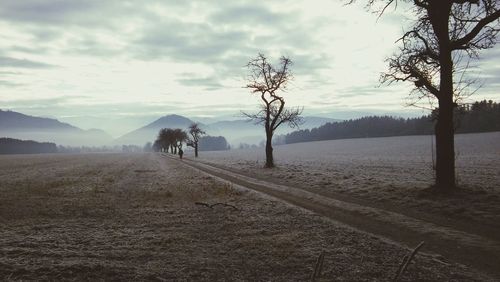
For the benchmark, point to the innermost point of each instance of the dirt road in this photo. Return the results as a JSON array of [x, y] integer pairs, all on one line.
[[476, 249]]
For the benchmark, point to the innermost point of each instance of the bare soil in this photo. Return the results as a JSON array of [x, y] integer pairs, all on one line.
[[134, 217]]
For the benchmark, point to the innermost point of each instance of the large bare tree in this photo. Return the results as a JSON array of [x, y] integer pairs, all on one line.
[[196, 132], [444, 33], [268, 82]]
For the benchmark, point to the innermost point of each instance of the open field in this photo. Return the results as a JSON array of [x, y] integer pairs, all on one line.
[[386, 172], [134, 217]]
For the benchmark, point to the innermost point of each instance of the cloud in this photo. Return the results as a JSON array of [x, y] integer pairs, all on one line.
[[10, 84], [38, 102], [209, 83], [61, 12], [249, 14], [357, 91], [129, 51], [23, 63], [188, 42]]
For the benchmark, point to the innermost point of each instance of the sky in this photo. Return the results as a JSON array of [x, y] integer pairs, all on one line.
[[117, 64]]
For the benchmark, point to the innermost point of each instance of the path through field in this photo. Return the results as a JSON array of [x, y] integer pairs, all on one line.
[[464, 245]]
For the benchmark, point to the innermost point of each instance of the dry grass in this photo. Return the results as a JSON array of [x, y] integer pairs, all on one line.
[[133, 217]]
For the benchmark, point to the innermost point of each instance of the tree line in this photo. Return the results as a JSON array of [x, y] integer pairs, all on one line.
[[483, 116], [169, 139], [16, 146]]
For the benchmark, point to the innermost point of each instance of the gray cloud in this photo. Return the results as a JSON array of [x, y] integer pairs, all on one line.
[[41, 103], [4, 73], [190, 42], [10, 84], [63, 13], [210, 83], [225, 37], [250, 14], [357, 91], [22, 63], [58, 11]]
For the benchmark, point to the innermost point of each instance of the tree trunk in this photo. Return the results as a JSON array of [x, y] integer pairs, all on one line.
[[196, 149], [445, 143], [269, 150]]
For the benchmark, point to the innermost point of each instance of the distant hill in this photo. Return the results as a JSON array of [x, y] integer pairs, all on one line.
[[148, 133], [235, 131], [21, 126], [14, 121]]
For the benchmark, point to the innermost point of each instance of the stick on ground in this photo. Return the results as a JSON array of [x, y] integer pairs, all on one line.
[[406, 261], [318, 267], [216, 204]]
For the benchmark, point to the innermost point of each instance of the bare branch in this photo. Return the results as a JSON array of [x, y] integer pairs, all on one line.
[[465, 40]]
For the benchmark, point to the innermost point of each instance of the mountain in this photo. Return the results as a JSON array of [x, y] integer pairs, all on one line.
[[21, 126], [14, 121], [149, 132], [235, 131]]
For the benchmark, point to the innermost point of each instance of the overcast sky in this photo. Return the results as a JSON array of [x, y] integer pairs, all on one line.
[[87, 60]]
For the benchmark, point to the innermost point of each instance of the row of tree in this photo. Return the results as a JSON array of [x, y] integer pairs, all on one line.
[[173, 139], [481, 116], [169, 139], [16, 146], [372, 126]]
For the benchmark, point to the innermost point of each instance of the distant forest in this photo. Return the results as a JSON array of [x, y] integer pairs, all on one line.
[[15, 146], [481, 116], [213, 143]]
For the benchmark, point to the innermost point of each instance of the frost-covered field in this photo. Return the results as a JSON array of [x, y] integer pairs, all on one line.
[[132, 217], [390, 170]]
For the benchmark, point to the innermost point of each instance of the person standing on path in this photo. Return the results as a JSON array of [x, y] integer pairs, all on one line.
[[181, 153]]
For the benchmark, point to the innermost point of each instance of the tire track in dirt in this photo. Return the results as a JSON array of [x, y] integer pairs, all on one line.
[[458, 246]]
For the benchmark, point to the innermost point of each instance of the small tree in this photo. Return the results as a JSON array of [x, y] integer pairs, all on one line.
[[163, 139], [196, 132], [445, 31], [267, 81]]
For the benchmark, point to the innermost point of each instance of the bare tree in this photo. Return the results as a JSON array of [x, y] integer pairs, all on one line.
[[445, 32], [267, 81], [196, 132]]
